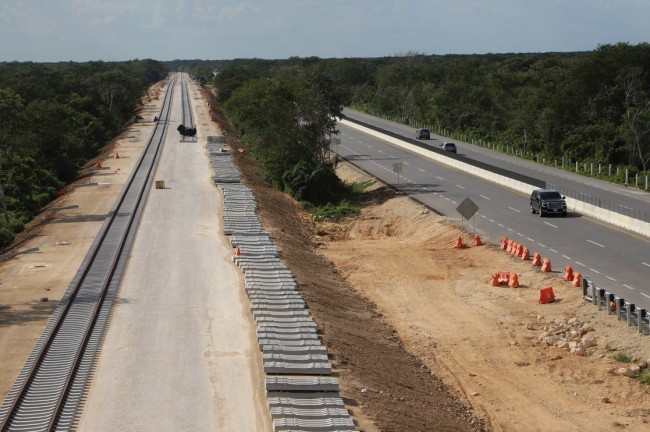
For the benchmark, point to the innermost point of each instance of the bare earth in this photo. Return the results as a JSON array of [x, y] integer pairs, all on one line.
[[419, 337]]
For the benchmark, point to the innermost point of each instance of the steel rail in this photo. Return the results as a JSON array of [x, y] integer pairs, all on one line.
[[188, 118], [37, 401], [187, 105]]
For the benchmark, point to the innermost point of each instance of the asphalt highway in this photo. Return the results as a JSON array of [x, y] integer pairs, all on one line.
[[610, 257], [621, 199]]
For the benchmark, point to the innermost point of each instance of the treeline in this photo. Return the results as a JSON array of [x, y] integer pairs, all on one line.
[[54, 117], [587, 106], [287, 119]]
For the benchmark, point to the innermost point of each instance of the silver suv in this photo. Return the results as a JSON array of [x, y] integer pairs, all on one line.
[[448, 146], [547, 201]]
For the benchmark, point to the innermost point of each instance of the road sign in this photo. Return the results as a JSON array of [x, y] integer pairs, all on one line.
[[397, 167], [467, 208]]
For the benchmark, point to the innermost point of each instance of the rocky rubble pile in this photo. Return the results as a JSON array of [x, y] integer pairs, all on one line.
[[571, 335], [632, 371]]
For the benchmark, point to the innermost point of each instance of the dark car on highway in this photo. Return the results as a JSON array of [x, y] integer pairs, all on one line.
[[547, 201], [422, 134]]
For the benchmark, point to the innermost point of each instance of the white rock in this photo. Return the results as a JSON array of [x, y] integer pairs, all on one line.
[[550, 340], [562, 343], [573, 320], [588, 342], [579, 350]]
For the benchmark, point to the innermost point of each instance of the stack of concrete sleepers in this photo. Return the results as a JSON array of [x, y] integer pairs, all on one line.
[[221, 162], [301, 393]]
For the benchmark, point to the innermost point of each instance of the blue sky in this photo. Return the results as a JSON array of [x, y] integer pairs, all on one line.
[[81, 30]]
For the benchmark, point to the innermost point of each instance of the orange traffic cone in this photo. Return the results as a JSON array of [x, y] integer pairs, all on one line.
[[577, 278], [537, 259], [459, 243], [514, 280], [237, 251], [568, 273], [99, 164], [525, 254], [520, 250], [546, 265], [509, 246], [117, 155], [504, 243], [478, 241], [546, 295], [495, 279]]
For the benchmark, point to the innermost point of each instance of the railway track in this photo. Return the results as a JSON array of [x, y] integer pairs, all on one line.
[[52, 384], [188, 118]]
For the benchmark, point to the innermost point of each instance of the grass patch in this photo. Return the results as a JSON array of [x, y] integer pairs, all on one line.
[[358, 188], [644, 376], [623, 358], [333, 212]]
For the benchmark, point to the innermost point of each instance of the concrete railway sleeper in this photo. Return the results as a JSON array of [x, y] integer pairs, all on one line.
[[301, 393]]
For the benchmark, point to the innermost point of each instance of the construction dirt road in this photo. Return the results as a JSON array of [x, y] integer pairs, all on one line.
[[418, 336]]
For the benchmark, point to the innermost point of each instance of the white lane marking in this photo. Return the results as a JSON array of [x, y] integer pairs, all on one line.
[[380, 151], [367, 145], [645, 264], [597, 244], [553, 250], [460, 186], [519, 234], [550, 224], [594, 270], [581, 264], [529, 239], [484, 217], [483, 196], [491, 220], [564, 256], [421, 170], [542, 245], [611, 278], [628, 287], [501, 225], [646, 295], [406, 163], [511, 230], [514, 209], [439, 178], [454, 202]]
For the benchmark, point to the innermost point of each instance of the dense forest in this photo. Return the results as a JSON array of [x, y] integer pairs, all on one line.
[[586, 106], [53, 118]]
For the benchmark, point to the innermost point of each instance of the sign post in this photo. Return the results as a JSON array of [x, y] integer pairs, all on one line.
[[468, 209], [397, 168]]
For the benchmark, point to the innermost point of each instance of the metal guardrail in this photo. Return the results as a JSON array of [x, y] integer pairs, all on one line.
[[615, 305]]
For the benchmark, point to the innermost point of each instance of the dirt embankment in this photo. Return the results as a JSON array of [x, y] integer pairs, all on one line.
[[415, 323]]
